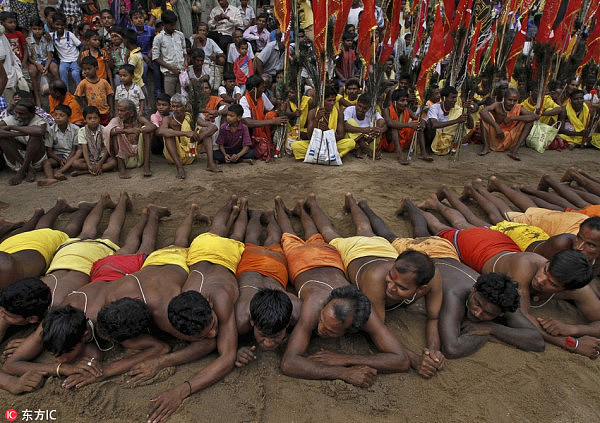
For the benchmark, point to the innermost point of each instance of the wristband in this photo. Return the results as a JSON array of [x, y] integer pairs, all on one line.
[[571, 344], [58, 370]]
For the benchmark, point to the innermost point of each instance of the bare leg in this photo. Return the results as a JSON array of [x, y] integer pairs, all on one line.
[[29, 225], [555, 200], [155, 213], [182, 234], [254, 228], [172, 149], [308, 224], [456, 219], [588, 175], [282, 216], [75, 223], [377, 224], [433, 223], [513, 154], [132, 240], [239, 228], [360, 219], [582, 180], [485, 148], [273, 229], [415, 215], [447, 193], [49, 219], [564, 191], [522, 201], [320, 219], [117, 218], [221, 223], [485, 196], [7, 226], [489, 207], [90, 225], [210, 163]]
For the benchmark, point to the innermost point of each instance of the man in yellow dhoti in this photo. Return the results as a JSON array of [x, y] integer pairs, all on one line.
[[505, 125], [549, 108], [575, 117], [181, 140]]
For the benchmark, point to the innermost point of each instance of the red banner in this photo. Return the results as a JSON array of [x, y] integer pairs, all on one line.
[[517, 46], [548, 17], [282, 9], [367, 25], [593, 47], [471, 58], [340, 24], [434, 54], [391, 33], [319, 8]]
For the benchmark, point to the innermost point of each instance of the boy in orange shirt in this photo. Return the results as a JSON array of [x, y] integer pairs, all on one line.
[[93, 91], [93, 43]]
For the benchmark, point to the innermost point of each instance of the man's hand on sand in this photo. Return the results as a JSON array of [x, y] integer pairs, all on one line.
[[164, 405], [245, 355], [28, 382], [143, 371], [431, 363], [361, 376], [588, 346], [555, 327], [79, 380], [12, 346], [330, 358]]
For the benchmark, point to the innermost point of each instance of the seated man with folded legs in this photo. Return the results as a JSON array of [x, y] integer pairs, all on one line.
[[358, 124], [566, 276], [123, 310], [205, 309], [373, 265], [331, 307], [264, 307]]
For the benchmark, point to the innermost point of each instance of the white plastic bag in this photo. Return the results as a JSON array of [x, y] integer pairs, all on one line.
[[323, 148]]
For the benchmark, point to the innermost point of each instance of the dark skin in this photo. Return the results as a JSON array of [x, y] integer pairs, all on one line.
[[170, 29], [219, 285], [320, 119], [255, 94], [385, 286], [394, 125], [368, 134], [577, 103], [317, 313], [250, 282]]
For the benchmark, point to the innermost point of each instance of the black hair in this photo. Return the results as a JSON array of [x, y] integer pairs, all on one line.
[[254, 82], [59, 85], [532, 86], [398, 94], [89, 34], [241, 42], [365, 98], [27, 297], [128, 68], [7, 15], [447, 90], [237, 109], [592, 223], [48, 10], [347, 36], [575, 92], [571, 269], [411, 261], [348, 26], [500, 290], [38, 22], [116, 29], [228, 76], [189, 313], [355, 302], [58, 16], [137, 10], [197, 52], [89, 60], [130, 36], [64, 108], [353, 81], [405, 76], [263, 15], [62, 329], [330, 91], [168, 17], [124, 319], [28, 104], [270, 309], [103, 11], [90, 110], [164, 97]]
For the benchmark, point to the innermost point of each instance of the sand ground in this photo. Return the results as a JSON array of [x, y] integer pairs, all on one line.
[[497, 384]]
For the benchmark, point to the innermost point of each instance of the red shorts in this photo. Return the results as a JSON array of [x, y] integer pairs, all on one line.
[[476, 246], [114, 267]]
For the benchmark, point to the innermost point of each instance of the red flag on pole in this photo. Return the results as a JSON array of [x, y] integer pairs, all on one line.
[[320, 22], [435, 52], [420, 27], [517, 46], [593, 47], [282, 9], [366, 25], [471, 58], [391, 33], [544, 32], [340, 24]]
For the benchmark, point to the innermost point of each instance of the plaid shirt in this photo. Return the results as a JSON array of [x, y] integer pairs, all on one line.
[[69, 7]]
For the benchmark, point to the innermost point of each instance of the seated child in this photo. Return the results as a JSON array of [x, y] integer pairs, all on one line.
[[197, 70], [95, 158], [229, 91], [163, 109], [61, 146], [127, 90], [234, 140], [93, 91]]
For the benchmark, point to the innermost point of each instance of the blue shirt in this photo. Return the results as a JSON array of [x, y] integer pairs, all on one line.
[[144, 40]]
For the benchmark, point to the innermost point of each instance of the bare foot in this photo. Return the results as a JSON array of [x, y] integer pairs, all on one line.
[[38, 213], [59, 176], [485, 150], [30, 175], [267, 217], [249, 161], [76, 173], [255, 214], [125, 197], [63, 206], [198, 216], [568, 176], [359, 154], [280, 206], [403, 206], [46, 182], [244, 205], [431, 203], [492, 184], [180, 173], [467, 192], [235, 212], [311, 200], [363, 204], [6, 226], [17, 179], [159, 210], [107, 201], [86, 205], [441, 192], [297, 211], [124, 174], [147, 172], [513, 155], [213, 168], [349, 201], [426, 158]]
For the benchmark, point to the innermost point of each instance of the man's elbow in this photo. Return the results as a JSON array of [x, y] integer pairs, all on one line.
[[287, 366], [537, 344], [452, 351]]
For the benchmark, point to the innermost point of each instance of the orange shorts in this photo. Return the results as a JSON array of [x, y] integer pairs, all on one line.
[[305, 255], [268, 261], [591, 211]]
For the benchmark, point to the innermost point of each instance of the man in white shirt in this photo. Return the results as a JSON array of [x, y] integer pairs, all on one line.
[[258, 109], [272, 58], [358, 125], [232, 52], [258, 35], [168, 51], [224, 19], [8, 60]]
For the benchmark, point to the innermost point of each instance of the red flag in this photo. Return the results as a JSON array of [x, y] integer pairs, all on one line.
[[319, 8], [471, 58], [448, 11], [593, 48], [434, 54], [391, 33], [282, 9], [340, 24], [562, 31], [593, 10], [420, 27], [460, 10], [544, 32], [366, 25], [517, 46]]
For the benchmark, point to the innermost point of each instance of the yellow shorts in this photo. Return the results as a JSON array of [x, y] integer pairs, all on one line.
[[433, 246], [44, 241], [355, 247], [215, 249], [521, 233], [168, 255], [80, 254], [552, 222]]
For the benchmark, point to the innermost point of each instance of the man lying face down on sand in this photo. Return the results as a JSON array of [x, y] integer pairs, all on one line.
[[331, 307], [373, 265], [264, 307]]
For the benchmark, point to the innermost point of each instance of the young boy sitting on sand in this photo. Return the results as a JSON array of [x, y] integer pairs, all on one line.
[[234, 140], [95, 158]]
